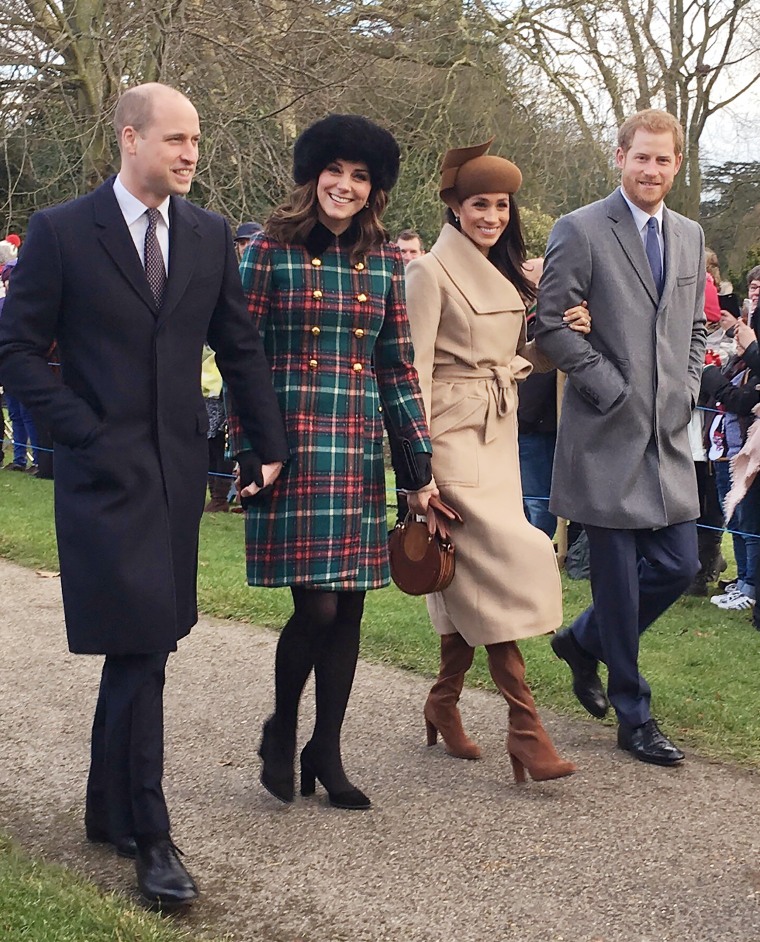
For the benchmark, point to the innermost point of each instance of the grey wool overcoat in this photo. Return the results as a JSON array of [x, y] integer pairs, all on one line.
[[623, 458]]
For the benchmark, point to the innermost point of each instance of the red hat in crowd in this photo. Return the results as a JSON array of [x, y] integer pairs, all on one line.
[[13, 239]]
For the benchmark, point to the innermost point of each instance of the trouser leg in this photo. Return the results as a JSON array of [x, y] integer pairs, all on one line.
[[127, 747]]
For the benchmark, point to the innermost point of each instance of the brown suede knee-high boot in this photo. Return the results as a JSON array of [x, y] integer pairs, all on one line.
[[441, 712], [528, 743]]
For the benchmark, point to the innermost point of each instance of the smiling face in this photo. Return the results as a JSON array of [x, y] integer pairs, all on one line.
[[343, 188], [160, 160], [484, 217], [648, 168]]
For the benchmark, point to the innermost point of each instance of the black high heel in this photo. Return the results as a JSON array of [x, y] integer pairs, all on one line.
[[277, 774], [352, 799]]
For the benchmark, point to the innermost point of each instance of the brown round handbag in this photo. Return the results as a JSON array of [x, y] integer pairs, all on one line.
[[421, 553]]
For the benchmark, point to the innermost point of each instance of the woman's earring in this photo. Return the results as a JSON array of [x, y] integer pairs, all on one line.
[[456, 218], [366, 205]]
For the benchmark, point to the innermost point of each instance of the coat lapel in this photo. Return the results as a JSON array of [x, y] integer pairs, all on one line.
[[116, 240], [184, 241], [625, 231], [486, 289]]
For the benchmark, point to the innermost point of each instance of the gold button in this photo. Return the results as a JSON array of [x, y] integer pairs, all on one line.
[[361, 297], [379, 408], [316, 294], [316, 262], [359, 333], [360, 266], [313, 364], [358, 367], [316, 331]]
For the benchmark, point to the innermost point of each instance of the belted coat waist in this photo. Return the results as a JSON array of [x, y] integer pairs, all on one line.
[[500, 385]]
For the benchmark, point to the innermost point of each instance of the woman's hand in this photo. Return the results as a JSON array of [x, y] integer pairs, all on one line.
[[727, 320], [418, 501], [744, 336], [269, 473], [578, 318]]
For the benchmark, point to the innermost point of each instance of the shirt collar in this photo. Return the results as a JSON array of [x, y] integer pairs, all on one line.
[[640, 217], [132, 208]]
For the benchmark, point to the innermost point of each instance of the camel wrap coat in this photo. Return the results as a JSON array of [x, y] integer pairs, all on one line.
[[468, 332]]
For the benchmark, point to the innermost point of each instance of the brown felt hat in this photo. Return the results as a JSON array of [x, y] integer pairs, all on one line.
[[466, 171]]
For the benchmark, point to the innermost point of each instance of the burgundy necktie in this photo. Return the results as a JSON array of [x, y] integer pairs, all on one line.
[[154, 260]]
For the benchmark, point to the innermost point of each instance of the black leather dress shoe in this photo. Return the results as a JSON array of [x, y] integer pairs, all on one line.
[[648, 744], [587, 686], [162, 877], [124, 846]]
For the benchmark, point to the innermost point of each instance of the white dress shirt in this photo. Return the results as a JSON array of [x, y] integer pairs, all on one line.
[[641, 218], [134, 213]]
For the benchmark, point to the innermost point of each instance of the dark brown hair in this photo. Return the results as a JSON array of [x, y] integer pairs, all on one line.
[[408, 234], [508, 255], [292, 221]]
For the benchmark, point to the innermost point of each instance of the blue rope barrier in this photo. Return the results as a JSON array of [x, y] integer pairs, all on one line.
[[9, 441], [219, 474]]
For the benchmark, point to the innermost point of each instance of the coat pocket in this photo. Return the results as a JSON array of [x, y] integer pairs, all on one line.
[[467, 412], [456, 434], [686, 280]]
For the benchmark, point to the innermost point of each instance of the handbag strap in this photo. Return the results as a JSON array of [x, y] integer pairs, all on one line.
[[437, 514]]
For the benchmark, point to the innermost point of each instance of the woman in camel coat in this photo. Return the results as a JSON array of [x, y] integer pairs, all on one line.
[[466, 303]]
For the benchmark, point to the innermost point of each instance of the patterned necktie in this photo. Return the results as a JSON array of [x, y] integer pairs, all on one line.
[[154, 260], [653, 253]]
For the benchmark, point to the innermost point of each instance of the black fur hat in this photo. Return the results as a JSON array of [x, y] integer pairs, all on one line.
[[347, 137]]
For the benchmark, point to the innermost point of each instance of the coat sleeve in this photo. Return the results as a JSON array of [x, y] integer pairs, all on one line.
[[698, 329], [254, 419], [424, 304], [398, 383], [29, 326], [739, 400], [566, 281]]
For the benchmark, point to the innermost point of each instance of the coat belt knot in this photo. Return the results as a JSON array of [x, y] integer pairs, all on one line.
[[502, 392]]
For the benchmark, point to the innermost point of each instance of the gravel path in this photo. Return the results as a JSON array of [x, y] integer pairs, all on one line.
[[451, 852]]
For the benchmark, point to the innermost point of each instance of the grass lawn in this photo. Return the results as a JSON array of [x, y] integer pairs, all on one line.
[[702, 663], [42, 903]]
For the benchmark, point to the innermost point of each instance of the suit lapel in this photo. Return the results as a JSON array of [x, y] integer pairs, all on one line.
[[184, 240], [115, 238], [625, 231]]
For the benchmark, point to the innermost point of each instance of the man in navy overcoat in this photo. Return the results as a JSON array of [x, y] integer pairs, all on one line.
[[130, 280]]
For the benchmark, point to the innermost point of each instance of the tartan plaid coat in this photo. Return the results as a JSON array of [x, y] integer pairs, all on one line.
[[337, 339]]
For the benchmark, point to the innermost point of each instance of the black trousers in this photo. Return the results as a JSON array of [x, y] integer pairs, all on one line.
[[635, 576], [124, 794]]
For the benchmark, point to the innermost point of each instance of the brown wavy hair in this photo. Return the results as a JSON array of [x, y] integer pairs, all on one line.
[[292, 221]]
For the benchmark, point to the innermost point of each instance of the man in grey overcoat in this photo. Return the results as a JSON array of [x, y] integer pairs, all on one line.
[[130, 280], [623, 466]]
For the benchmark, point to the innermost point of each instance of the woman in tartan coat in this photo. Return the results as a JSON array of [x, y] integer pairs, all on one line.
[[326, 292]]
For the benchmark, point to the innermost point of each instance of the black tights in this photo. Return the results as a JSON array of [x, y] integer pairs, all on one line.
[[322, 633]]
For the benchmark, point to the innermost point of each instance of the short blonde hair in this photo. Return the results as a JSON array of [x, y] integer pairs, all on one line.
[[654, 121]]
